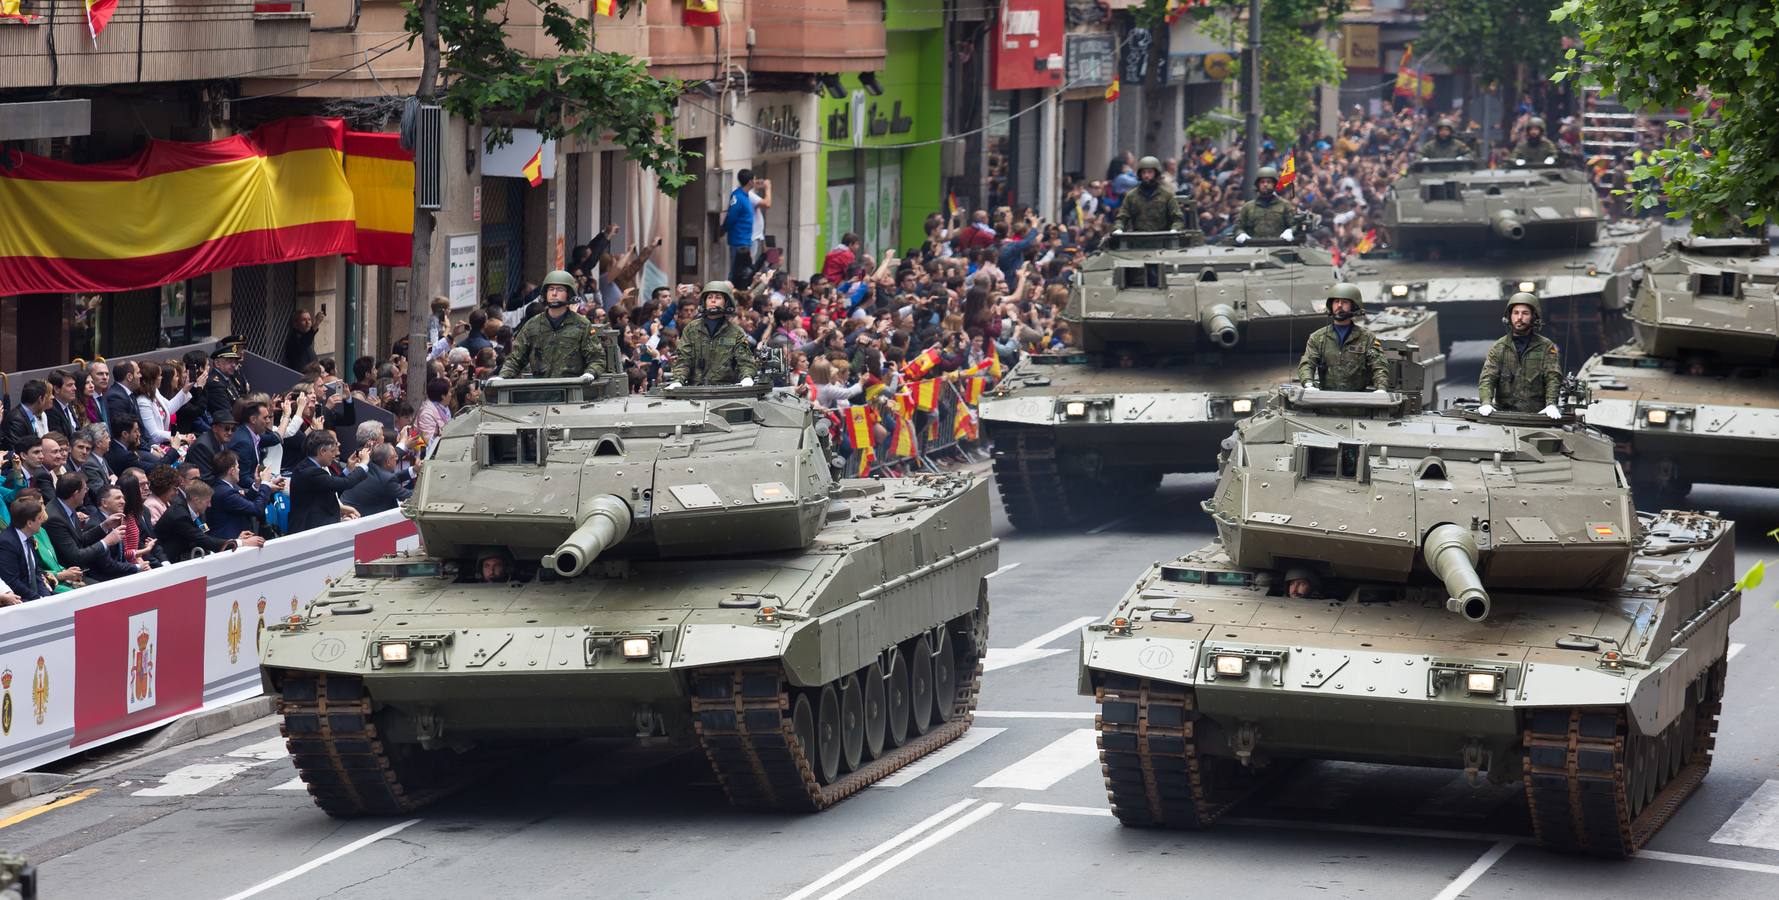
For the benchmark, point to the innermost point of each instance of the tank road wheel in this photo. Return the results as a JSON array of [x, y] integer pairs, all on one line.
[[896, 702], [852, 723], [919, 660], [944, 681], [876, 709], [803, 722], [827, 733]]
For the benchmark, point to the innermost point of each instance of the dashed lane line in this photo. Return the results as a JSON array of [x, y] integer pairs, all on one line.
[[901, 838], [1042, 769], [1756, 822], [1032, 714], [1064, 810], [1034, 649], [1110, 525], [322, 860], [1734, 649], [933, 839], [1469, 876], [1003, 570], [969, 740]]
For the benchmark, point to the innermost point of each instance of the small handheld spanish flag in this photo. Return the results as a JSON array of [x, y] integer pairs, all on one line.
[[605, 7], [1367, 242], [926, 394], [918, 367], [951, 204], [1288, 174], [902, 438], [534, 167], [1112, 92]]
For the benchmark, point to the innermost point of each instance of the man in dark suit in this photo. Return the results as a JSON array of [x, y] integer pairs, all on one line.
[[381, 488], [314, 486], [253, 438], [88, 547], [97, 438], [60, 414], [181, 528], [125, 451], [19, 570], [203, 451], [120, 398], [25, 420]]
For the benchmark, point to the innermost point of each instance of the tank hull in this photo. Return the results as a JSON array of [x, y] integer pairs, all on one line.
[[896, 576], [1388, 681]]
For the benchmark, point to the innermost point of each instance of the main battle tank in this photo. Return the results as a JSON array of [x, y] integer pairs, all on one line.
[[1695, 394], [1403, 587], [1178, 341], [673, 570], [1461, 240]]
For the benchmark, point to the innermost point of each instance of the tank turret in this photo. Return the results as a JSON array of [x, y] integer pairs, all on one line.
[[1713, 298], [544, 473], [1450, 205], [1362, 486]]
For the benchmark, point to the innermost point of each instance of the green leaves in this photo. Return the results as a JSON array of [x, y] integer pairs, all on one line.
[[1293, 62], [578, 92]]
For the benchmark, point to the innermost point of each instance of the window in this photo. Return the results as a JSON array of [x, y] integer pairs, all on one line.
[[523, 447], [1717, 284]]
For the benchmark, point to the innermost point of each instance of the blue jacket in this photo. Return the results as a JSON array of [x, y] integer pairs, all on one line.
[[14, 570], [740, 219], [233, 511]]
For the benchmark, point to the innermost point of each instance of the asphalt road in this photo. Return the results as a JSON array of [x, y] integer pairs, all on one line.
[[1016, 808]]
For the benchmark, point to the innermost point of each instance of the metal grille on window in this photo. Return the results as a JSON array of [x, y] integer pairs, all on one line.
[[264, 302]]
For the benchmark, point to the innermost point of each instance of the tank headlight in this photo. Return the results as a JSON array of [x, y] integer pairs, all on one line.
[[1398, 290], [637, 648], [1075, 409], [1528, 286], [1482, 683], [1231, 666], [1242, 406], [1658, 417], [394, 652]]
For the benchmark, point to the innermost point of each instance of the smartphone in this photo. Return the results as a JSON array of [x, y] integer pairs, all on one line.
[[324, 309]]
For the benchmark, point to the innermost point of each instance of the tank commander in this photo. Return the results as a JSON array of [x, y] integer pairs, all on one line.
[[1148, 207], [1342, 355], [1302, 583], [1522, 371], [1534, 147], [558, 344], [1265, 216], [1445, 143], [714, 350]]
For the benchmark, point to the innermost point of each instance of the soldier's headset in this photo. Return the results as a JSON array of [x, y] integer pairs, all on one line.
[[1537, 317]]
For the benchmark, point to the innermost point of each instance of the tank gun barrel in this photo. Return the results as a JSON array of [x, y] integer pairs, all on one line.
[[606, 522], [1218, 321], [1450, 552], [1507, 225]]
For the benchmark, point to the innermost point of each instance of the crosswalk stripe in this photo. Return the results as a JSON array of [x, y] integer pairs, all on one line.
[[295, 784], [1756, 822], [968, 741], [1034, 649], [1734, 649], [200, 777], [1041, 770]]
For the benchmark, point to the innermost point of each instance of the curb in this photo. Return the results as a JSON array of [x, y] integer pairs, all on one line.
[[26, 785]]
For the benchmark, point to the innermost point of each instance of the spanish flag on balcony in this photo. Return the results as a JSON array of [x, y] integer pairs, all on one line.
[[98, 15], [534, 167], [1112, 91], [702, 13], [381, 175], [176, 210], [605, 7]]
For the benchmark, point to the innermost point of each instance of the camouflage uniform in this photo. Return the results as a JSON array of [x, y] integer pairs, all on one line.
[[1526, 382], [1446, 148], [1357, 365], [725, 358], [1144, 209], [1258, 219], [1534, 151], [564, 351]]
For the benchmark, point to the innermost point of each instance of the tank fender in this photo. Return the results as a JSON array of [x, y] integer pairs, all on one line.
[[712, 644], [1028, 410], [1173, 658]]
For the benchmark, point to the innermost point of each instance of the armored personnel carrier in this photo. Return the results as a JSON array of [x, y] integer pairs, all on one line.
[[678, 571], [1695, 394], [1403, 587], [1461, 240], [1178, 341]]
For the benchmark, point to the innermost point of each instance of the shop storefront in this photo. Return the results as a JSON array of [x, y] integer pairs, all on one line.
[[778, 144]]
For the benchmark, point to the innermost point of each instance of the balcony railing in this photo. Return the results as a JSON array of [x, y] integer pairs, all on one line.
[[152, 41]]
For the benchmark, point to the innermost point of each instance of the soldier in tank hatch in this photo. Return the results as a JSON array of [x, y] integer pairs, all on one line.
[[1342, 355], [558, 344], [713, 349], [1522, 371]]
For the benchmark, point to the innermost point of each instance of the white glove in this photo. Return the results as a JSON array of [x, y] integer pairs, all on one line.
[[674, 386], [1309, 386], [1241, 237], [747, 382], [588, 377], [1287, 235], [1485, 410], [1552, 412]]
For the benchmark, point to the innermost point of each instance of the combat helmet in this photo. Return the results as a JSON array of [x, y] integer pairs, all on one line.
[[1345, 290], [1149, 162], [560, 277], [1529, 299], [1536, 122], [1446, 122], [1266, 172], [718, 287]]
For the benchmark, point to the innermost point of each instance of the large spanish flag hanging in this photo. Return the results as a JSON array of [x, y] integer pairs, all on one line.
[[381, 174], [702, 13], [176, 210]]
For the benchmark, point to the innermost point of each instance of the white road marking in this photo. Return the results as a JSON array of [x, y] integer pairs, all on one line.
[[295, 784], [1001, 657], [200, 777], [966, 742], [881, 849], [942, 834], [1030, 714], [1112, 524], [1734, 648], [1711, 861], [1756, 822], [1065, 810], [1006, 568], [1436, 834], [1040, 771], [320, 861], [1469, 876]]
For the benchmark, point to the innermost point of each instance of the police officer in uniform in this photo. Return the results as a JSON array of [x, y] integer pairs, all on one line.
[[1445, 143], [714, 350], [558, 344], [1265, 216], [1522, 371], [1342, 355], [1147, 207], [1534, 147]]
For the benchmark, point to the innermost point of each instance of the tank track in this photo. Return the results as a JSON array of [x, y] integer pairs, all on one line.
[[349, 772], [1155, 776], [743, 721], [1030, 480], [1583, 766]]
